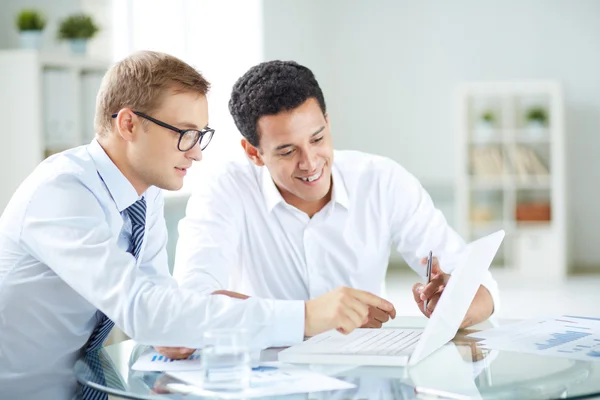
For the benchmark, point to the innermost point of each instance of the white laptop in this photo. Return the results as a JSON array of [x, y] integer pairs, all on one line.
[[398, 346]]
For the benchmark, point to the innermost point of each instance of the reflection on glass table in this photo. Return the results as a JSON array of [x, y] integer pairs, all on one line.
[[459, 370]]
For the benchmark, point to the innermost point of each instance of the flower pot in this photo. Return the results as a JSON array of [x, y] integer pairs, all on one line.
[[78, 46], [536, 128], [30, 39]]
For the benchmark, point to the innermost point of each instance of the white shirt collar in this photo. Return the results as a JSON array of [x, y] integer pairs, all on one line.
[[273, 197], [119, 187]]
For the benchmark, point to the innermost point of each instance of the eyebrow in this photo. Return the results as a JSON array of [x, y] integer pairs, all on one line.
[[283, 146], [188, 125]]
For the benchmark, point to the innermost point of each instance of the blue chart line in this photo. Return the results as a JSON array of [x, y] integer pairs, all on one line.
[[561, 338], [594, 353], [157, 358]]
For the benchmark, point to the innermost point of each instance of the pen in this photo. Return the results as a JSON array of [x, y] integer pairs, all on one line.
[[428, 275]]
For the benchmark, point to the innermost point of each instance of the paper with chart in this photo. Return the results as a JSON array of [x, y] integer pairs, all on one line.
[[266, 379], [564, 336], [269, 379], [153, 361]]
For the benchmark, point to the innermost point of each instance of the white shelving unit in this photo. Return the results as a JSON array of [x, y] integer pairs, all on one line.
[[47, 106], [511, 174]]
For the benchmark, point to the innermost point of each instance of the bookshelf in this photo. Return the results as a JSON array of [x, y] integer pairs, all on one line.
[[511, 173], [48, 105]]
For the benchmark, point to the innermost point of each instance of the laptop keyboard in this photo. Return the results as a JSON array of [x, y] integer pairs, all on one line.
[[381, 342]]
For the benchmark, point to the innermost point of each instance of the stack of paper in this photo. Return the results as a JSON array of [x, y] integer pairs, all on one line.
[[565, 336], [527, 165]]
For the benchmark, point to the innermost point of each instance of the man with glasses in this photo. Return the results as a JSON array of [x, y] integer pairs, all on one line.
[[82, 243], [296, 218]]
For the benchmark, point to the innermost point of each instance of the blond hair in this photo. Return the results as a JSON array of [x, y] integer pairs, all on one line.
[[140, 81]]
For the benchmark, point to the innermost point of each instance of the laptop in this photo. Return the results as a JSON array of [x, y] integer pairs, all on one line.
[[399, 346]]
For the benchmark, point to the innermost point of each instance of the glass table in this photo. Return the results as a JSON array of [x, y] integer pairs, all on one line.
[[493, 374]]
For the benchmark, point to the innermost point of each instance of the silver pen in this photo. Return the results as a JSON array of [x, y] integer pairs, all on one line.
[[428, 275]]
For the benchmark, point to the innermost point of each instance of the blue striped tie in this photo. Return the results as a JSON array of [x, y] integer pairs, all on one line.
[[137, 215]]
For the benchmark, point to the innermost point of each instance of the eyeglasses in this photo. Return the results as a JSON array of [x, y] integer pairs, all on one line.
[[187, 137]]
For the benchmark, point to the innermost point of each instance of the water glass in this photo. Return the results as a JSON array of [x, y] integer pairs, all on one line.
[[226, 362]]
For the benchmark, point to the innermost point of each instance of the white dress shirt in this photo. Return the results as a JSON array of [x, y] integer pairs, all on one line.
[[239, 233], [63, 255]]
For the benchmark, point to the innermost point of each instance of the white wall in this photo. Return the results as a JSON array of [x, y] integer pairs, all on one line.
[[389, 70]]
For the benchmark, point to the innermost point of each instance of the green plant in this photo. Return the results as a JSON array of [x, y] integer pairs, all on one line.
[[78, 26], [488, 116], [30, 20], [537, 114]]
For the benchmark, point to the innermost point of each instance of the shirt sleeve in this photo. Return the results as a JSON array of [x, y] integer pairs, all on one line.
[[417, 227], [66, 228], [209, 235]]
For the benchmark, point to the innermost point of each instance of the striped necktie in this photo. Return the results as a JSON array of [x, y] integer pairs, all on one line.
[[137, 215]]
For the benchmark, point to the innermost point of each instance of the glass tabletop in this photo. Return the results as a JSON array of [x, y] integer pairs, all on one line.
[[493, 374]]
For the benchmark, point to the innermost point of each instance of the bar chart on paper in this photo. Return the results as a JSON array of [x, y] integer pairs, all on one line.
[[161, 358], [153, 361], [564, 336]]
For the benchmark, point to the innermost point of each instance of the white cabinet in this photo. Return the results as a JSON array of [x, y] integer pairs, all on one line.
[[46, 106], [537, 253], [511, 173]]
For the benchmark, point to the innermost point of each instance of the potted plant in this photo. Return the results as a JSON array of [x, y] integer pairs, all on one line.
[[30, 24], [488, 118], [486, 124], [78, 29], [537, 117]]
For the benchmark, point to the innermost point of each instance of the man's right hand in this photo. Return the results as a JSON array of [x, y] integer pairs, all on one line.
[[344, 309], [377, 317]]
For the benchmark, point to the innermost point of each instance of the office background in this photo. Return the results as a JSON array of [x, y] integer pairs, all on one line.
[[390, 71]]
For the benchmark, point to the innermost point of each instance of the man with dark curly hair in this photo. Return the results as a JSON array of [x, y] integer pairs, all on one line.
[[297, 219]]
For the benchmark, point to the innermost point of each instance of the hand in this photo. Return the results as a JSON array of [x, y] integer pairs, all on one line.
[[431, 291], [175, 353], [235, 295], [344, 309], [377, 317], [479, 310]]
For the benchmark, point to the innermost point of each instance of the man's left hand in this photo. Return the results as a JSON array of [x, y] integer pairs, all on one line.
[[231, 294], [432, 290], [480, 309], [174, 353]]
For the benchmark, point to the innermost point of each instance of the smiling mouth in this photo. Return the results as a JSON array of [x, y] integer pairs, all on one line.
[[312, 178]]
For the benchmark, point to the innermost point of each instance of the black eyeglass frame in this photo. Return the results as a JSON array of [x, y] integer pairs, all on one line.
[[200, 134]]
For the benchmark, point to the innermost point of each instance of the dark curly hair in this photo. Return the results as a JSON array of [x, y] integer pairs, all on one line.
[[269, 88]]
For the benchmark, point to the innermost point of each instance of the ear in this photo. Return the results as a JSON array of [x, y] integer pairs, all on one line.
[[252, 153], [125, 124]]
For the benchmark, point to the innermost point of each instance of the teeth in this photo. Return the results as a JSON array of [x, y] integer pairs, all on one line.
[[314, 177]]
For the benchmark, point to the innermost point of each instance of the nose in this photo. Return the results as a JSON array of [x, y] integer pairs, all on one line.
[[308, 161], [194, 154]]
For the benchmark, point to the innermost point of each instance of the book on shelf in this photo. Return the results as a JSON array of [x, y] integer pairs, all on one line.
[[491, 162], [487, 162], [527, 164]]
